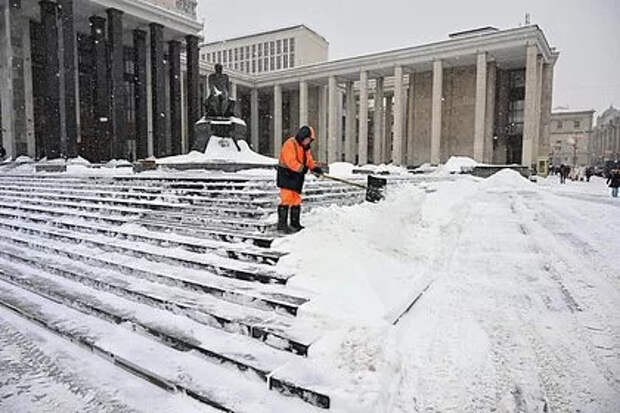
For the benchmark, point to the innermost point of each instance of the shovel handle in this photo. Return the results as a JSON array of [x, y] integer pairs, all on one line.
[[344, 181]]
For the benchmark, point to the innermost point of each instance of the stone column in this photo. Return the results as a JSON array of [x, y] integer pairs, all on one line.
[[117, 83], [535, 147], [254, 119], [176, 121], [193, 81], [436, 112], [69, 48], [480, 106], [233, 90], [293, 113], [386, 149], [397, 145], [277, 120], [97, 145], [529, 121], [303, 103], [140, 95], [53, 111], [490, 113], [31, 149], [349, 140], [545, 109], [332, 133], [378, 137], [158, 79], [340, 128], [362, 146], [17, 130], [410, 119], [323, 137]]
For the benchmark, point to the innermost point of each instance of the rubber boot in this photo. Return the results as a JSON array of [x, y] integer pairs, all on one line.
[[295, 213], [283, 220]]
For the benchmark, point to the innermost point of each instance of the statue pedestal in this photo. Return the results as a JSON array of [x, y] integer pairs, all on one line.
[[223, 127]]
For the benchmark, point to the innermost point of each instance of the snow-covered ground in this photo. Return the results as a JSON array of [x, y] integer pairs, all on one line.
[[521, 313], [463, 295]]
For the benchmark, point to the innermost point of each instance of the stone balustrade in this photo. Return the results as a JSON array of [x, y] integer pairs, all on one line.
[[186, 7]]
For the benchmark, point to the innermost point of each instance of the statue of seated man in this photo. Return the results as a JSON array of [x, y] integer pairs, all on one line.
[[218, 102]]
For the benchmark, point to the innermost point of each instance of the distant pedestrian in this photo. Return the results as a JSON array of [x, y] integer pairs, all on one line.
[[563, 173], [589, 173], [614, 182], [2, 153]]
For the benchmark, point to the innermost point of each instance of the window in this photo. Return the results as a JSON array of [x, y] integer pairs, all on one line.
[[260, 50], [253, 51], [272, 63], [247, 66], [285, 61], [559, 125], [577, 124], [230, 55], [272, 48], [266, 64], [225, 57], [254, 66], [279, 62], [236, 66], [291, 43], [236, 54], [213, 57], [247, 52], [285, 46], [292, 60], [219, 57], [279, 46], [260, 65], [266, 48]]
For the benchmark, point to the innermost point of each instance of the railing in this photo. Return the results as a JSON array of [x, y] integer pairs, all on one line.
[[186, 7]]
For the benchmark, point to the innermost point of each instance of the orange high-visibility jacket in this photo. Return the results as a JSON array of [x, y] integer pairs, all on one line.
[[293, 158]]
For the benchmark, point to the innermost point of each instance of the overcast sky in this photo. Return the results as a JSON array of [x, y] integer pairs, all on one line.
[[586, 33]]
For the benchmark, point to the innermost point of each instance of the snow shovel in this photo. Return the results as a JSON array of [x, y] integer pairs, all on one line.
[[374, 190]]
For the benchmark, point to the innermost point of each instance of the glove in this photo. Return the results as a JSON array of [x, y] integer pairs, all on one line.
[[305, 170], [317, 170]]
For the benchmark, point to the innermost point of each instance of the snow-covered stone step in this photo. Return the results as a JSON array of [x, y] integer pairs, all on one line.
[[170, 329], [118, 193], [262, 296], [137, 204], [215, 264], [275, 329], [241, 199], [80, 206], [175, 370], [134, 232], [109, 213]]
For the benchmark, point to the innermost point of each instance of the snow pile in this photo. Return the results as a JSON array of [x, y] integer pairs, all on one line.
[[343, 169], [78, 161], [221, 150], [385, 169], [456, 164], [118, 163], [507, 180], [23, 159], [364, 270]]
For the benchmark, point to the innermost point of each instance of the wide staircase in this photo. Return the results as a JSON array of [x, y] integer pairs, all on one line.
[[170, 278]]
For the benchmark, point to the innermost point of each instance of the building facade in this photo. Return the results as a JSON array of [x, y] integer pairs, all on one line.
[[571, 133], [605, 142], [99, 78], [484, 93], [268, 51], [133, 82]]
